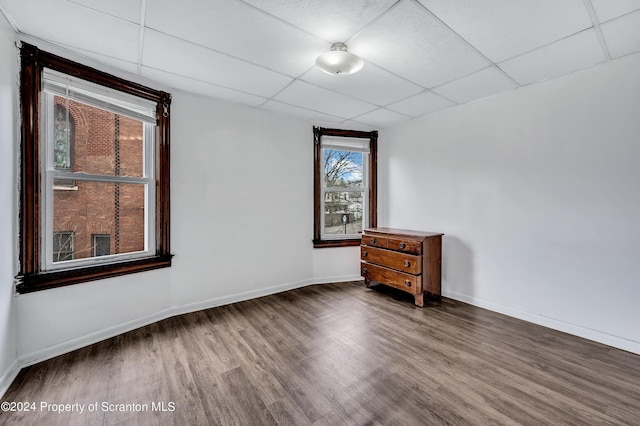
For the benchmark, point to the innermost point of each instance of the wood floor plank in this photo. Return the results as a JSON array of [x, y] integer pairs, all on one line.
[[336, 354]]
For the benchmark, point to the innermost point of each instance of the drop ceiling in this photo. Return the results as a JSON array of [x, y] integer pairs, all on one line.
[[420, 56]]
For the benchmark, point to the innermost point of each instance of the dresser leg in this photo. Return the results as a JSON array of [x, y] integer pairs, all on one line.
[[367, 282], [419, 299]]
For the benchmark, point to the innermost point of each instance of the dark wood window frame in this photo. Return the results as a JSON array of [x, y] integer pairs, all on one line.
[[31, 277], [318, 133]]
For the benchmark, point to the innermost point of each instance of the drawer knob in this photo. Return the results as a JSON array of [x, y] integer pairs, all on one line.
[[407, 283], [407, 263], [364, 254], [403, 246], [365, 270], [373, 241]]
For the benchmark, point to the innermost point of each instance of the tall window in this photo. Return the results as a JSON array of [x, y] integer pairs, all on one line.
[[95, 175], [344, 186]]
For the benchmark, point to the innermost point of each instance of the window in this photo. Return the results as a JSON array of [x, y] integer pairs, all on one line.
[[344, 186], [63, 247], [95, 176], [101, 245]]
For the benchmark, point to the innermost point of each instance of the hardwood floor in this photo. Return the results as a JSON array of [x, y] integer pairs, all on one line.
[[330, 355]]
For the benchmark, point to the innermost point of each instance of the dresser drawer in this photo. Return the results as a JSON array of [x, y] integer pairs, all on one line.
[[400, 280], [374, 241], [392, 259], [406, 246]]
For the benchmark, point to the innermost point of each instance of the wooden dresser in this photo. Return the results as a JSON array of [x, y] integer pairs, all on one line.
[[407, 260]]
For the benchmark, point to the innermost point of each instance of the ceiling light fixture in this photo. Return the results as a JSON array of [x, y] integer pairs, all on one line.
[[339, 61]]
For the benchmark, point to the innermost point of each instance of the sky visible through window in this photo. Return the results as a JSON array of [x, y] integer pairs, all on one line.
[[343, 168]]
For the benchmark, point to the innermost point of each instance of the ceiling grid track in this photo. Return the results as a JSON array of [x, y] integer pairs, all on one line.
[[143, 13], [596, 26]]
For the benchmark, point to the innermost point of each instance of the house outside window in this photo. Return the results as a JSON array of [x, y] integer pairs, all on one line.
[[344, 186], [100, 205]]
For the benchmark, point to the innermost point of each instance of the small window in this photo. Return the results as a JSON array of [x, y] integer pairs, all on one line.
[[94, 199], [345, 186], [63, 246], [101, 245]]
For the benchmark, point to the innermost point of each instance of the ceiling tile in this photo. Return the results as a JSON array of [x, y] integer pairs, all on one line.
[[410, 42], [332, 20], [201, 88], [478, 85], [617, 34], [609, 9], [239, 30], [180, 57], [294, 111], [76, 26], [381, 118], [125, 9], [322, 100], [372, 84], [129, 67], [567, 55], [501, 29], [421, 104]]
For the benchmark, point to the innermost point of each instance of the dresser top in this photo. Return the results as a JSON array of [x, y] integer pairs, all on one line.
[[404, 232]]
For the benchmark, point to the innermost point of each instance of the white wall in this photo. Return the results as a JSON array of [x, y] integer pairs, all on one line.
[[8, 179], [241, 198], [537, 193], [336, 264]]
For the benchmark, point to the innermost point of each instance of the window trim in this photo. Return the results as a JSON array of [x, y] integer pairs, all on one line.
[[318, 133], [31, 276]]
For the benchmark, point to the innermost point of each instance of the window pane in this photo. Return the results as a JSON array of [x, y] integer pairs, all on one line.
[[342, 168], [112, 211], [343, 213], [62, 135], [92, 140]]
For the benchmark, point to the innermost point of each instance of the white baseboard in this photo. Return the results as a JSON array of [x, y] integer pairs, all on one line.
[[8, 377], [337, 279], [576, 330]]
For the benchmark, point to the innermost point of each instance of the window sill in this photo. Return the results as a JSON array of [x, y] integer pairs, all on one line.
[[61, 278], [337, 243]]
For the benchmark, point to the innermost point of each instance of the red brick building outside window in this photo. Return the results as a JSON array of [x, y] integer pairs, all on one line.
[[100, 142]]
